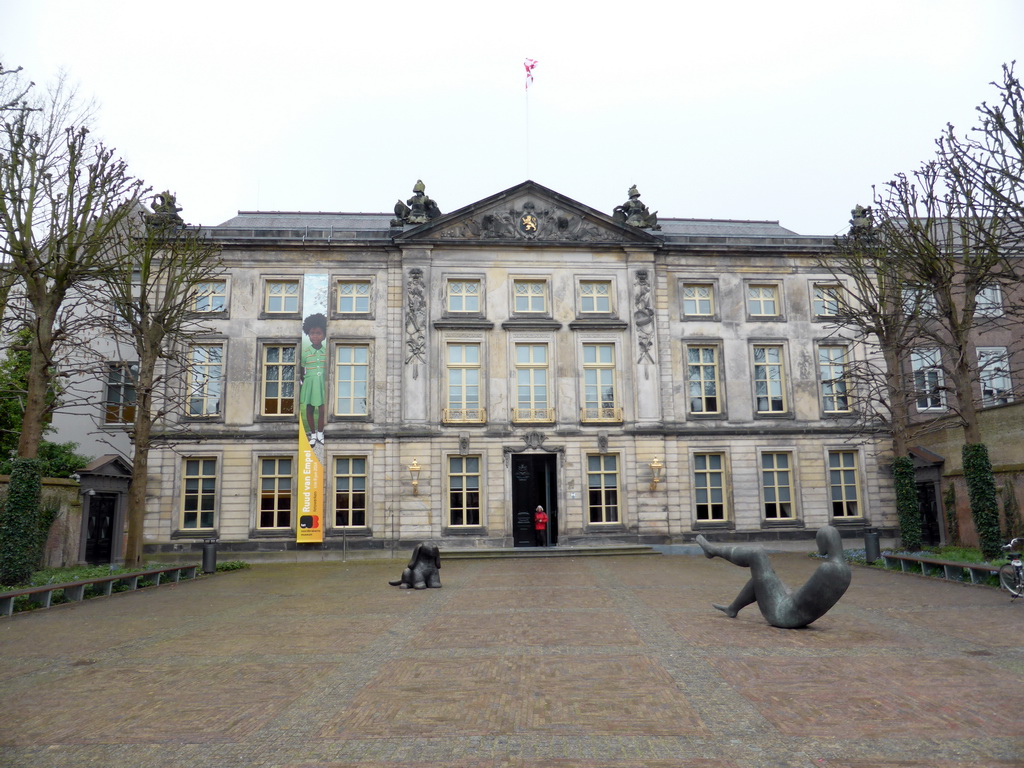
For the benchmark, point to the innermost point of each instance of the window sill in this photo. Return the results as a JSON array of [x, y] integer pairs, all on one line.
[[531, 324], [195, 533], [464, 323], [714, 525], [608, 323], [280, 316], [790, 522], [361, 532]]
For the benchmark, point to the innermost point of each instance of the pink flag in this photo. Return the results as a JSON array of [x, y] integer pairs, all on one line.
[[529, 64]]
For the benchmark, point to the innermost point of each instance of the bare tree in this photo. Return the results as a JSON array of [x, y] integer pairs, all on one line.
[[153, 290], [63, 197]]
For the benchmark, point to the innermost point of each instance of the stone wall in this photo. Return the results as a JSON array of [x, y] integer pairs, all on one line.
[[64, 541]]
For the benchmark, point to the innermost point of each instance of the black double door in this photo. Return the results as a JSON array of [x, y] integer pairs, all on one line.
[[534, 482], [929, 511]]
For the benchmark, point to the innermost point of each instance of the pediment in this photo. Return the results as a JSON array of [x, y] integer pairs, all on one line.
[[528, 213]]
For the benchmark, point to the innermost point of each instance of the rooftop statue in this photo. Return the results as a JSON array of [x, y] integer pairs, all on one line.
[[634, 213], [165, 211], [862, 222], [418, 209]]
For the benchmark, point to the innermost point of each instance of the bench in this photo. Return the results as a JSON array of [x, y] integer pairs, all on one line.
[[74, 591], [946, 568]]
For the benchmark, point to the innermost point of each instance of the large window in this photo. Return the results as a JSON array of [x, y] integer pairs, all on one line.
[[353, 297], [989, 302], [532, 383], [769, 379], [464, 384], [702, 380], [463, 296], [275, 492], [349, 492], [843, 483], [595, 297], [698, 299], [205, 380], [463, 491], [762, 300], [278, 380], [827, 300], [211, 296], [119, 406], [281, 297], [709, 487], [351, 379], [199, 493], [928, 379], [603, 488], [599, 401], [777, 485], [832, 368], [994, 373], [530, 296]]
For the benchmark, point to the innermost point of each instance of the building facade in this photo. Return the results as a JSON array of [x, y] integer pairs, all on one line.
[[641, 381]]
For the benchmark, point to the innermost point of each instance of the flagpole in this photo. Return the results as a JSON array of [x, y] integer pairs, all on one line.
[[529, 65]]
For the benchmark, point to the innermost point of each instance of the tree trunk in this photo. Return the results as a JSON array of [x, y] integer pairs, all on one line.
[[36, 390], [141, 438], [898, 408]]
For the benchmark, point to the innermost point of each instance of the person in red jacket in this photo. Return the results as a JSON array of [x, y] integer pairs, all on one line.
[[540, 526]]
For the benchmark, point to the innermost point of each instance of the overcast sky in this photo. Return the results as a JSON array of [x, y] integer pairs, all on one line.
[[781, 110]]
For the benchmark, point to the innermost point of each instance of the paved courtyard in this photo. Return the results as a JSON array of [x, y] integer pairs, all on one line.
[[561, 663]]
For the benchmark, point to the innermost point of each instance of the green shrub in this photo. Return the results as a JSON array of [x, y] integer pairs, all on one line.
[[233, 565], [20, 523], [1011, 511], [981, 491], [907, 508], [952, 520]]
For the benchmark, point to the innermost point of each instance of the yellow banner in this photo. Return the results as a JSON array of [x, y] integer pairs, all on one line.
[[311, 495]]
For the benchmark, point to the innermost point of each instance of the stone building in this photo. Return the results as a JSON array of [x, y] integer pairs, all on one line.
[[641, 379]]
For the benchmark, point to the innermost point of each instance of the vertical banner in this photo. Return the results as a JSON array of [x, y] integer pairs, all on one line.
[[312, 410]]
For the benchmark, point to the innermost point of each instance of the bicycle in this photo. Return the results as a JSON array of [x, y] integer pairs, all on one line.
[[1011, 575]]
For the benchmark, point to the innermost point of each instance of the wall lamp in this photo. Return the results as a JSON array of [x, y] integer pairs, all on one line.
[[657, 473], [414, 471]]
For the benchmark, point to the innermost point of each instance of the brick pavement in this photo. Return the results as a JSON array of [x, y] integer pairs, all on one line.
[[599, 662]]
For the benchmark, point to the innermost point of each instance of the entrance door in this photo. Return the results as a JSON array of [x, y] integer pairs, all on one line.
[[929, 512], [534, 481], [100, 534]]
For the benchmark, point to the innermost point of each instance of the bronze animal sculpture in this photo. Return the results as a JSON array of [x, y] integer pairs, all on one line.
[[423, 569]]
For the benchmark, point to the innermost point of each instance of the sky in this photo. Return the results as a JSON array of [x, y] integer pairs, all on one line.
[[786, 111]]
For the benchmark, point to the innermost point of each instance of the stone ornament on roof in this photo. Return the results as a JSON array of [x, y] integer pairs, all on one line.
[[418, 209], [528, 221], [634, 213], [165, 211], [862, 221]]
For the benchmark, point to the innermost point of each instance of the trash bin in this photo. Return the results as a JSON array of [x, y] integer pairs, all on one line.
[[209, 555], [872, 550]]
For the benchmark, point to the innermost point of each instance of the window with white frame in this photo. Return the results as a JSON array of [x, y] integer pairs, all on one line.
[[351, 379], [531, 371], [702, 378], [834, 378], [353, 297], [199, 493], [918, 301], [211, 296], [928, 379], [529, 296], [463, 402], [843, 484], [769, 379], [281, 297], [709, 487], [595, 297], [119, 405], [827, 300], [463, 296], [205, 379], [599, 401], [763, 300], [279, 368], [777, 485], [994, 375], [603, 488], [275, 492], [463, 491], [698, 299], [350, 492], [989, 302]]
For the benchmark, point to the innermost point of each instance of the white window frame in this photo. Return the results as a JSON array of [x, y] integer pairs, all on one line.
[[752, 302], [268, 286], [834, 379], [203, 387], [762, 375], [929, 379], [699, 384], [202, 492], [608, 510], [698, 301], [598, 375], [465, 491], [356, 298], [994, 376], [775, 489], [584, 297], [838, 482], [702, 477], [272, 483], [531, 296], [456, 301], [464, 376], [352, 493], [340, 383], [532, 379]]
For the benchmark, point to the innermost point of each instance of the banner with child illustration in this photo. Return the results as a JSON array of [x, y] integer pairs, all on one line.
[[312, 410]]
